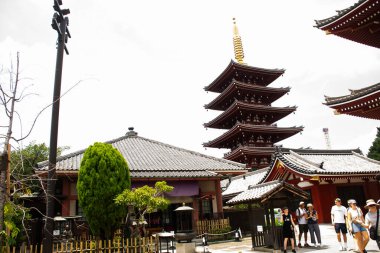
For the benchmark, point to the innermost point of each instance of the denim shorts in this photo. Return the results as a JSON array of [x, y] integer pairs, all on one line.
[[357, 228]]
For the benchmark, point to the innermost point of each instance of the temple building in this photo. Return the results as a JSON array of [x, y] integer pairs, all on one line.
[[196, 178], [359, 23], [245, 102], [363, 103], [324, 174]]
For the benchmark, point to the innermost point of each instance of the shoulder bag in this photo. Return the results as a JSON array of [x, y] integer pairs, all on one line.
[[373, 229]]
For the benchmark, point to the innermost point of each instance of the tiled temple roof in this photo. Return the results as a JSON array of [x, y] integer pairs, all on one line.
[[148, 158], [241, 183], [261, 191], [326, 162], [340, 14], [355, 94]]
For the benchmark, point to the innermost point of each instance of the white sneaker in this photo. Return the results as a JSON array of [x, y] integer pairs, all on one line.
[[340, 248]]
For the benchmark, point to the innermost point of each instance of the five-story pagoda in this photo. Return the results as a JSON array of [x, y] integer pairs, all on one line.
[[245, 101]]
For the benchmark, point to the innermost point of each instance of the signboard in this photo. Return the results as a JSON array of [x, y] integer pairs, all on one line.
[[56, 232], [260, 228]]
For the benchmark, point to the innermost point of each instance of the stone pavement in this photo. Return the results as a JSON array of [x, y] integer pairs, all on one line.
[[329, 244]]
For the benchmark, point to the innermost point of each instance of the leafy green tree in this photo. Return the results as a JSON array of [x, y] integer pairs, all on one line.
[[14, 217], [145, 199], [374, 150], [23, 161], [102, 176]]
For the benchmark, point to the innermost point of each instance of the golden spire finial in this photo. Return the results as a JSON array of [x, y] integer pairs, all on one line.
[[238, 45]]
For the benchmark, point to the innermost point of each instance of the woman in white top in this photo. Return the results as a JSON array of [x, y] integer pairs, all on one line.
[[371, 217], [355, 223]]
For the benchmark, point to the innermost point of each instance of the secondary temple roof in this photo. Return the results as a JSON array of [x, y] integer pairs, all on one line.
[[262, 192], [238, 184], [323, 163], [359, 23], [152, 159], [364, 102]]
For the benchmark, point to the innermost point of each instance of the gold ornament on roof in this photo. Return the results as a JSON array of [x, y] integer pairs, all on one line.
[[238, 45]]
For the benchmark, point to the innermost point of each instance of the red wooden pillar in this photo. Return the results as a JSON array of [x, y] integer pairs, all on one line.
[[218, 191], [195, 213], [317, 201], [66, 201]]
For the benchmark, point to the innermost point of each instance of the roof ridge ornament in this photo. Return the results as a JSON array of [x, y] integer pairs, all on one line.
[[238, 45]]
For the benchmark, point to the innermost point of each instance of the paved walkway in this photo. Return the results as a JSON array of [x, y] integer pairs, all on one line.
[[329, 242]]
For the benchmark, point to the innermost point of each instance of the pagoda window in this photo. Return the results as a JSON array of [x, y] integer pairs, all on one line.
[[256, 119], [248, 119], [260, 139], [259, 100], [269, 139]]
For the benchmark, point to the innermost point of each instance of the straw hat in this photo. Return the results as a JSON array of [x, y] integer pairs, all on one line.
[[370, 202], [310, 205], [301, 203], [351, 201]]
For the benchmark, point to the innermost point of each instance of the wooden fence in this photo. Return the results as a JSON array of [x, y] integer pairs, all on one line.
[[213, 226], [123, 245]]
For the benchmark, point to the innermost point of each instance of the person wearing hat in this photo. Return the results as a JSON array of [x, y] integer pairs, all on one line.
[[288, 228], [355, 222], [302, 223], [372, 217], [312, 222], [353, 236], [338, 220]]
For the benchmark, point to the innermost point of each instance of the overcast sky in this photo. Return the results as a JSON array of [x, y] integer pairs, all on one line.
[[145, 63]]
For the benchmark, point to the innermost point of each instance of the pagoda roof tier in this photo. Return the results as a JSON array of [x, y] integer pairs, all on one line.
[[245, 151], [234, 70], [361, 103], [240, 131], [241, 91], [359, 22], [239, 111]]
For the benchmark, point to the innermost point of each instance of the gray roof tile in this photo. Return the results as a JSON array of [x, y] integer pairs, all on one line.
[[149, 158], [243, 182]]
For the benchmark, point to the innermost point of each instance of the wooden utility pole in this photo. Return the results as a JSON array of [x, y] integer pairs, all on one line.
[[59, 23]]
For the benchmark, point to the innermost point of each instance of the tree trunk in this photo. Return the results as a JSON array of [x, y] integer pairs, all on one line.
[[3, 169]]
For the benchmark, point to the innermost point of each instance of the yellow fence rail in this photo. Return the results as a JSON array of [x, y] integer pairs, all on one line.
[[123, 245]]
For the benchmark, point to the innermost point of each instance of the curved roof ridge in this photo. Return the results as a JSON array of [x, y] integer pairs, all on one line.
[[365, 158], [249, 173], [303, 158], [265, 184], [354, 94], [341, 14]]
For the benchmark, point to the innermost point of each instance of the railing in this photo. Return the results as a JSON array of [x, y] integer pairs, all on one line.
[[123, 245], [213, 226]]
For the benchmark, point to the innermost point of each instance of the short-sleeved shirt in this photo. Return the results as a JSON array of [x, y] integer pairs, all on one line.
[[301, 212], [339, 213], [370, 218], [313, 219]]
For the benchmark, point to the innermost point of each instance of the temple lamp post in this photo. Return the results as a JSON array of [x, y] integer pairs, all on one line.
[[59, 23]]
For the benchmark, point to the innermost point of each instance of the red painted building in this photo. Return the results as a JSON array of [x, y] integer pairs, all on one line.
[[324, 174], [360, 23], [195, 177]]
